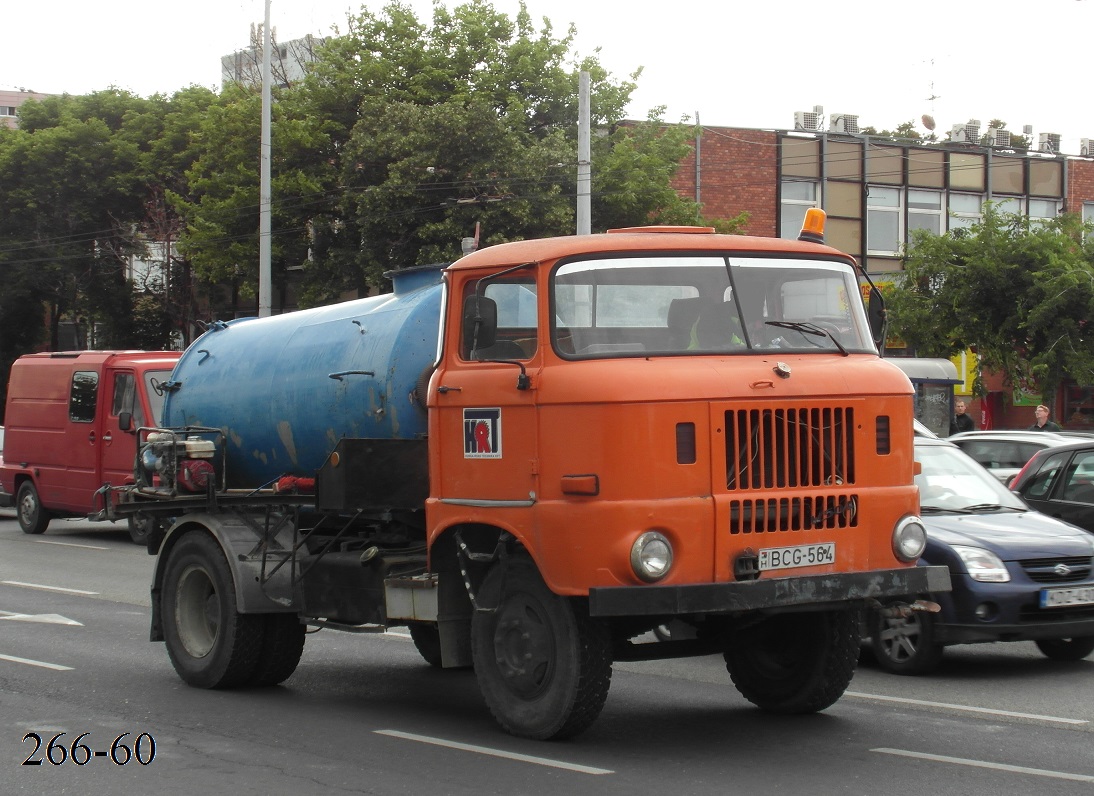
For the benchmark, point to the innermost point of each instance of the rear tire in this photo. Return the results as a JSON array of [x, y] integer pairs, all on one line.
[[794, 663], [543, 666], [282, 645], [33, 518], [1066, 649], [140, 525], [427, 640], [211, 644]]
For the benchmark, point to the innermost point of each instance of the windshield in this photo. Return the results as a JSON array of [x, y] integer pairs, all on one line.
[[695, 304], [153, 382], [952, 481]]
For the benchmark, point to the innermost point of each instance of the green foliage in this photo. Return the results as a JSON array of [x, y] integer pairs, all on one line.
[[1021, 293]]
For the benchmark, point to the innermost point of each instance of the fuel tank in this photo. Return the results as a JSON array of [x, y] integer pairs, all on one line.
[[284, 389]]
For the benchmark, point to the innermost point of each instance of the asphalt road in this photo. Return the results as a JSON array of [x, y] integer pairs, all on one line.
[[364, 713]]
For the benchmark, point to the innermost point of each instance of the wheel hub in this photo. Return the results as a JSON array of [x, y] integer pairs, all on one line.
[[524, 648]]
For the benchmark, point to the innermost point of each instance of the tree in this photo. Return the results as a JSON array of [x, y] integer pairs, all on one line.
[[406, 137], [1020, 292]]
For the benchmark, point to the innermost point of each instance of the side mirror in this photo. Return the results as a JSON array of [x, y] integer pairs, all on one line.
[[875, 311], [125, 421], [480, 322]]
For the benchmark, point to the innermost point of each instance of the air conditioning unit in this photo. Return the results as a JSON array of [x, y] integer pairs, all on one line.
[[1049, 142], [1086, 147], [807, 120], [843, 123], [998, 137]]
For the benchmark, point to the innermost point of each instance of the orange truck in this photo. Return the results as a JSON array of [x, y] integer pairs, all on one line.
[[546, 457], [71, 429]]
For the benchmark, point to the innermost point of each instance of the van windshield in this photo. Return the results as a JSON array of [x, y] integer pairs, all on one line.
[[153, 381], [701, 304]]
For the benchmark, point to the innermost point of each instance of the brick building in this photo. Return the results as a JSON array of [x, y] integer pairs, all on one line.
[[876, 191]]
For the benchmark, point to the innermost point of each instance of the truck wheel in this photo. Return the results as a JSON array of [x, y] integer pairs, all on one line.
[[282, 646], [32, 517], [211, 644], [543, 666], [794, 663], [427, 640], [1066, 649], [905, 645]]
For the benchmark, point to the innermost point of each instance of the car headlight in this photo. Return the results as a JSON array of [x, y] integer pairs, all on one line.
[[982, 565], [909, 539], [651, 556]]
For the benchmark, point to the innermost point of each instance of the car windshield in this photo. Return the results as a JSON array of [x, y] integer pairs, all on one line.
[[951, 481], [708, 303]]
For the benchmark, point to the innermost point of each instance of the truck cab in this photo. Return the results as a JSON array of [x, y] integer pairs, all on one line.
[[71, 422]]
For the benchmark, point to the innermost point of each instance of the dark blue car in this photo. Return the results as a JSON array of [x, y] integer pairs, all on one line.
[[1018, 574]]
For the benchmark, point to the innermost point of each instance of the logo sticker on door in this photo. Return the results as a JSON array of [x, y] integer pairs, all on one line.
[[482, 433]]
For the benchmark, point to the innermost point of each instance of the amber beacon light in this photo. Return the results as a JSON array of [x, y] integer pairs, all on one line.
[[813, 226]]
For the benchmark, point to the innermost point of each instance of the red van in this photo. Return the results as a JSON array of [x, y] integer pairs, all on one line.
[[70, 427]]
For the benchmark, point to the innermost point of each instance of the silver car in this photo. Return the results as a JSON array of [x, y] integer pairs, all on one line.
[[1004, 453]]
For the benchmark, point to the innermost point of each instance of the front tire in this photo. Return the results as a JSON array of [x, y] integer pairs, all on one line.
[[905, 644], [543, 666], [211, 644], [1066, 649], [794, 663], [33, 518]]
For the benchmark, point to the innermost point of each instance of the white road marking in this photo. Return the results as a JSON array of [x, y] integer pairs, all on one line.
[[45, 619], [71, 544], [486, 750], [56, 667], [1037, 772], [43, 587], [967, 708]]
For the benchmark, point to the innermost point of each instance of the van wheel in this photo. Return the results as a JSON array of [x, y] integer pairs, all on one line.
[[32, 517]]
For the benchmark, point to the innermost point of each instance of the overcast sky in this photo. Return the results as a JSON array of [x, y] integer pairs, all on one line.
[[744, 64]]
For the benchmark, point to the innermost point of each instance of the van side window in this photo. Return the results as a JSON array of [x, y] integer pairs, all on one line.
[[125, 398], [84, 396]]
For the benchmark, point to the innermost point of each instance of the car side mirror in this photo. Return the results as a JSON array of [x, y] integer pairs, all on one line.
[[875, 311], [125, 421]]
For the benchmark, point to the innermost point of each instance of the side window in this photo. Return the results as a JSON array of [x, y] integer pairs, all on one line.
[[517, 321], [1080, 479], [1040, 485], [125, 398], [84, 396]]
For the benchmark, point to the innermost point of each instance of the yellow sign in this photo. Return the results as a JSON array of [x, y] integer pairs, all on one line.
[[968, 365]]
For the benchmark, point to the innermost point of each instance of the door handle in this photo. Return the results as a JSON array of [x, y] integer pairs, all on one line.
[[107, 437]]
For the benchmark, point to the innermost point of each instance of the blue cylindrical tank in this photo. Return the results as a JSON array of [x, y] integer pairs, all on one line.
[[286, 388]]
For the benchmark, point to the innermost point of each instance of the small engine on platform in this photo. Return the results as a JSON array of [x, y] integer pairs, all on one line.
[[177, 461]]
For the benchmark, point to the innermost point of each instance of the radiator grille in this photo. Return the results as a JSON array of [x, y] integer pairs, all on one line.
[[779, 448], [1058, 570], [793, 514]]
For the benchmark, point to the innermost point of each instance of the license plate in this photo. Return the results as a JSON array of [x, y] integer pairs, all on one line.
[[1056, 598], [803, 555]]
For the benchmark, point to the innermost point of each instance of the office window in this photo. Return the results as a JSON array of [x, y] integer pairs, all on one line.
[[925, 211], [964, 210], [1088, 212], [1007, 205], [883, 220], [797, 197], [1041, 210]]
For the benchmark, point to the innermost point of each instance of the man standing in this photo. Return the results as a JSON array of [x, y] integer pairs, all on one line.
[[961, 421], [1043, 423]]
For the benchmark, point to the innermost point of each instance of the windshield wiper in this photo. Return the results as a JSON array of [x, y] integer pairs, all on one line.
[[990, 507], [942, 510], [809, 328]]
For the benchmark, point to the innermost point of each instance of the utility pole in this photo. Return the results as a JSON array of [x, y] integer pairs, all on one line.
[[584, 155], [265, 291]]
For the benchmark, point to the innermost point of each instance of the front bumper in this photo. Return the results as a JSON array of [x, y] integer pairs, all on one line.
[[767, 593]]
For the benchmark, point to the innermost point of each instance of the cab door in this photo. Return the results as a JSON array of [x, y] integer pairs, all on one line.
[[485, 425], [120, 394]]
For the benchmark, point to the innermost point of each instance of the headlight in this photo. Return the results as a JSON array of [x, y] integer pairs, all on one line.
[[982, 565], [909, 539], [651, 556]]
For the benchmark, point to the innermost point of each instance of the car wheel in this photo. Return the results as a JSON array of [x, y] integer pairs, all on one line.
[[32, 517], [905, 644], [1066, 649]]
